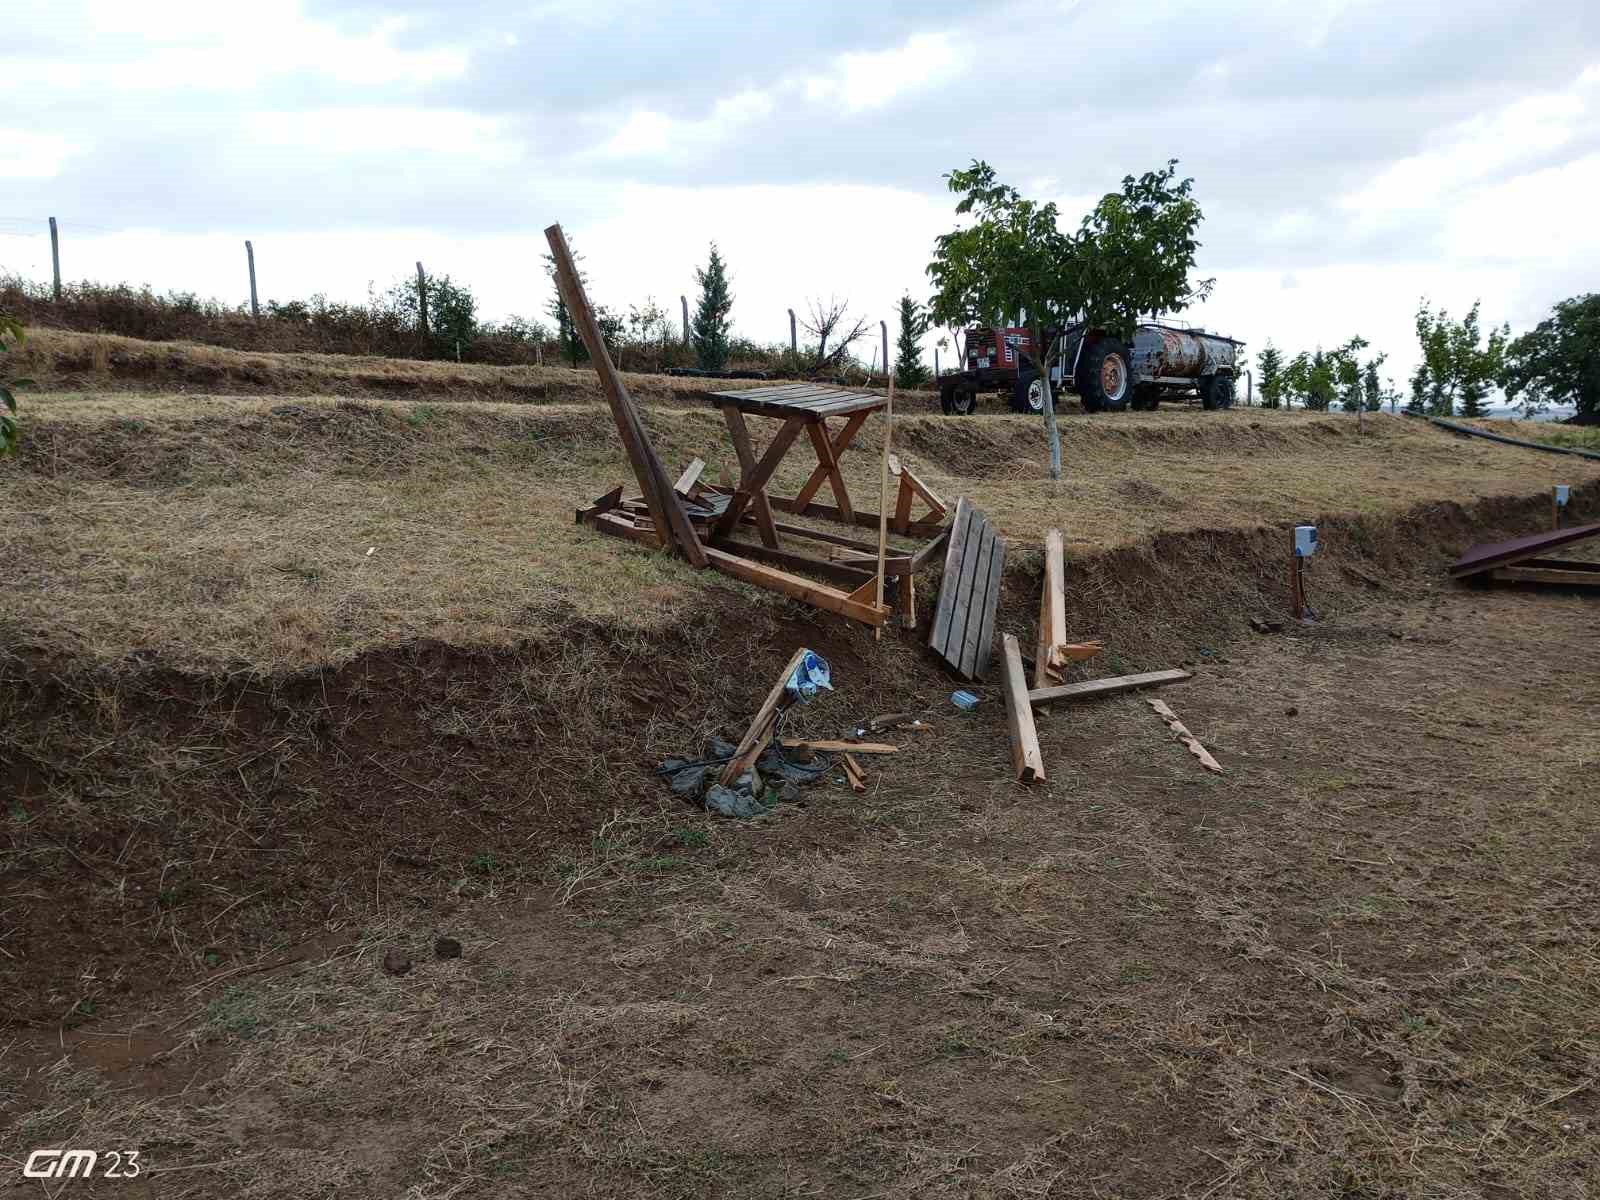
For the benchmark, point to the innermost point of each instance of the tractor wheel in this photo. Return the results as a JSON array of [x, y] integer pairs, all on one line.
[[958, 400], [1104, 381], [1145, 397], [1027, 395]]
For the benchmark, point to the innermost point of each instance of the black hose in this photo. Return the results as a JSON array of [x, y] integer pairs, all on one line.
[[1453, 427]]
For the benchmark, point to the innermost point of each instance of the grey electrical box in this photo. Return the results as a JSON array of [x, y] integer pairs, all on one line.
[[1305, 541], [1561, 495]]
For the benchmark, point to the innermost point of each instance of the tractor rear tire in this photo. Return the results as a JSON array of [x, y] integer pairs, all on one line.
[[1027, 395], [1104, 380], [958, 400]]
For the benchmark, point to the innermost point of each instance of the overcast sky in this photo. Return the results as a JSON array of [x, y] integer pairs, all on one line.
[[1350, 157]]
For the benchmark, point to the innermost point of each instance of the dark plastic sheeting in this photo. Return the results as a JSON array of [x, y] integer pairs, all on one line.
[[1487, 556]]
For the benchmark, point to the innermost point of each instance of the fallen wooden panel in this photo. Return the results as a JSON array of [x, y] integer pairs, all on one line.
[[1191, 742], [760, 732], [1019, 714], [1488, 555], [969, 593], [1092, 688]]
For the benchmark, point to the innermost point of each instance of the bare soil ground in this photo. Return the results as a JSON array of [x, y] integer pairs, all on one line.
[[242, 759], [1364, 963]]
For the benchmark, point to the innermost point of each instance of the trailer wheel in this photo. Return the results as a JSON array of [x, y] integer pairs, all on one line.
[[1027, 395], [1105, 382], [1145, 397], [958, 401], [1216, 391]]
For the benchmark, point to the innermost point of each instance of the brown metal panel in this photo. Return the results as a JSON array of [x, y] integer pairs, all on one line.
[[1488, 555]]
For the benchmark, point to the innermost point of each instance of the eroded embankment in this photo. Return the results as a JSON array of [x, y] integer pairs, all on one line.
[[160, 824]]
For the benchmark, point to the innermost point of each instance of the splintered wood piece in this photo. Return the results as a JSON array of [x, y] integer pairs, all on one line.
[[1052, 607], [854, 773], [668, 516], [1019, 713], [1184, 736], [690, 478], [902, 505], [1092, 688], [908, 600], [760, 732], [839, 747], [606, 503]]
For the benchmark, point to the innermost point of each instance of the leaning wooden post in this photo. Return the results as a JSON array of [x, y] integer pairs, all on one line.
[[883, 500], [422, 302], [1052, 608], [666, 513], [55, 258], [250, 258]]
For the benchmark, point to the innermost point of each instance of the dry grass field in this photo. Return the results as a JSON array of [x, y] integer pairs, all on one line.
[[293, 675]]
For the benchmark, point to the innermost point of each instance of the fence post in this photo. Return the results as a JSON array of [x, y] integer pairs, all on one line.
[[422, 301], [884, 326], [684, 300], [936, 364], [250, 257], [55, 258], [794, 337]]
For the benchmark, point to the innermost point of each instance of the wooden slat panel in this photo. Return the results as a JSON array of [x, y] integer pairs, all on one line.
[[1092, 688], [991, 609], [945, 606], [975, 603], [974, 575]]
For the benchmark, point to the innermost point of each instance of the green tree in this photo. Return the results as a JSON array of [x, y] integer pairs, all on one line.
[[708, 331], [1558, 361], [1373, 393], [452, 313], [1318, 379], [908, 367], [10, 328], [1297, 380], [1270, 364], [568, 344], [1345, 364], [1132, 255], [1458, 364]]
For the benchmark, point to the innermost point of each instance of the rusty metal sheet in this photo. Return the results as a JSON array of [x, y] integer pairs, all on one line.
[[1489, 555]]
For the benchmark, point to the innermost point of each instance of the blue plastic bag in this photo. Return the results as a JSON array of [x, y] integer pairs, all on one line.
[[809, 674]]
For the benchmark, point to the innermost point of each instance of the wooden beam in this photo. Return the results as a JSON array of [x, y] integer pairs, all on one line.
[[760, 732], [1584, 579], [1093, 688], [839, 747], [1025, 751], [933, 502], [1052, 608], [835, 572], [830, 462], [902, 505], [666, 512], [852, 426], [605, 504], [883, 489], [868, 520], [815, 594], [618, 526]]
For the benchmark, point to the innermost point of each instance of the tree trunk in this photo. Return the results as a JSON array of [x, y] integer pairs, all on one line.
[[1051, 433]]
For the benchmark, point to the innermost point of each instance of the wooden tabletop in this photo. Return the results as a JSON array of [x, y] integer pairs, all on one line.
[[812, 401]]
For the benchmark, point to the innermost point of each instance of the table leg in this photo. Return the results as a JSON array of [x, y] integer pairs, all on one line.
[[754, 475], [851, 427], [828, 460]]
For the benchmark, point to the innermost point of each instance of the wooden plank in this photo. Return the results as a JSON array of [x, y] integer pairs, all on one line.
[[667, 513], [1052, 607], [825, 746], [932, 548], [949, 584], [753, 480], [991, 609], [690, 477], [845, 574], [829, 461], [927, 494], [1093, 688], [841, 443], [1025, 753], [868, 520], [883, 495], [902, 505], [815, 594], [760, 731], [1585, 579], [1181, 731], [1560, 564], [908, 599], [606, 503], [611, 523]]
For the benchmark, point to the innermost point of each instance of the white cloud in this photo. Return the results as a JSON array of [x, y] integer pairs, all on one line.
[[863, 81], [368, 132], [25, 155]]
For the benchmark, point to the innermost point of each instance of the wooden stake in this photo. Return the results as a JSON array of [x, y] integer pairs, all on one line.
[[1019, 714], [1297, 594], [883, 497]]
